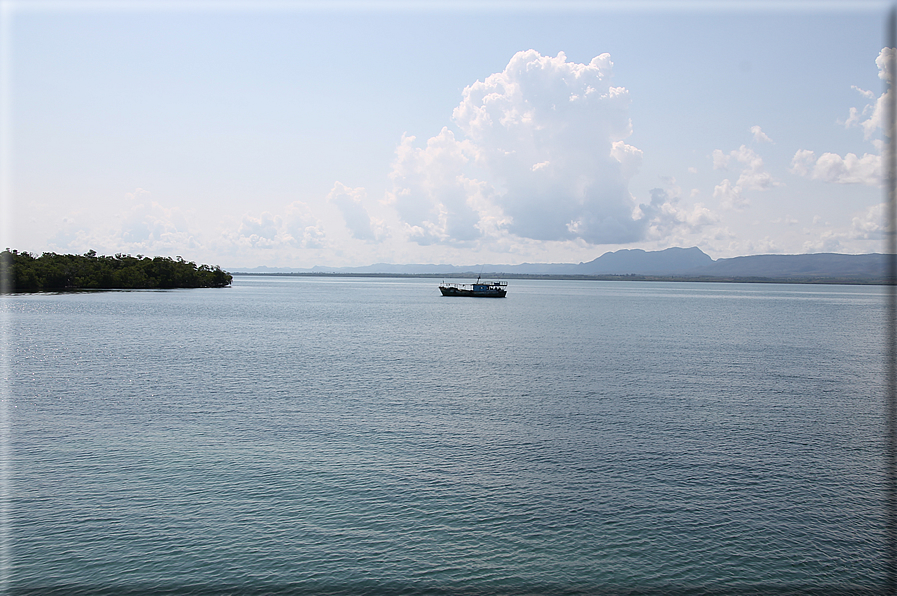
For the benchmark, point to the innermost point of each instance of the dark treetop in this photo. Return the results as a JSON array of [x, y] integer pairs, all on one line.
[[24, 272]]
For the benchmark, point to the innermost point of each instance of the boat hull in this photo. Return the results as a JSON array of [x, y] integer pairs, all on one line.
[[473, 293]]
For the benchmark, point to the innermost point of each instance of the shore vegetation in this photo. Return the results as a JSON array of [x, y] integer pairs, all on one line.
[[52, 272]]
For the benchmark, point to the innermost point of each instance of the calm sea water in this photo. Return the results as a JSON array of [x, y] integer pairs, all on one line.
[[368, 436]]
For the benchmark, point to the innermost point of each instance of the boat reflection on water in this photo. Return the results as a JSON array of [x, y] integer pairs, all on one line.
[[486, 289]]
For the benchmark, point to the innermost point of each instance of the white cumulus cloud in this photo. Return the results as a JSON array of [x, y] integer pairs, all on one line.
[[759, 135], [870, 117], [143, 226], [297, 227], [753, 176], [863, 92], [729, 195], [831, 167], [870, 223], [548, 109], [542, 157], [432, 195], [149, 227], [666, 216], [851, 169], [720, 160], [350, 202], [263, 231], [630, 158]]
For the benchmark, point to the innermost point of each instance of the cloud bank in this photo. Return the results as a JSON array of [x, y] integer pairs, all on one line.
[[296, 228], [533, 161]]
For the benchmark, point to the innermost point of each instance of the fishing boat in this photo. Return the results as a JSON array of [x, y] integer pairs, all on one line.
[[485, 289]]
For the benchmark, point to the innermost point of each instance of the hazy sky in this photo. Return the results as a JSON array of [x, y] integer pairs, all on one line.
[[299, 135]]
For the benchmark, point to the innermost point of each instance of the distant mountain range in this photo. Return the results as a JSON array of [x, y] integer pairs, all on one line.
[[686, 263]]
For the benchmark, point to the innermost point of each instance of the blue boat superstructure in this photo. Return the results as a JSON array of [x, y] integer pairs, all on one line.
[[486, 289]]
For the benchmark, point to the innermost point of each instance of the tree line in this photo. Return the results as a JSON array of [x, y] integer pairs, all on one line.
[[25, 272]]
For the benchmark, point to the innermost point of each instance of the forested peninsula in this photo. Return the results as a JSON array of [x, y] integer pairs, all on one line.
[[51, 272]]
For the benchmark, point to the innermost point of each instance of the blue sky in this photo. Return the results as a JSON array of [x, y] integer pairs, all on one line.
[[296, 135]]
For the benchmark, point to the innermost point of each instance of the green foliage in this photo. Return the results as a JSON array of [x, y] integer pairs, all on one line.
[[24, 272]]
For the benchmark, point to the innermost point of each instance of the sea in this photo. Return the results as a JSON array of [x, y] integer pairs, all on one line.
[[340, 435]]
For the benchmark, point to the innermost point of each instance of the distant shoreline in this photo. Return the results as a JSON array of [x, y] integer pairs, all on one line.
[[628, 277], [670, 264]]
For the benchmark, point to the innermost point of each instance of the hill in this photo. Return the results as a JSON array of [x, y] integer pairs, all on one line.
[[678, 263]]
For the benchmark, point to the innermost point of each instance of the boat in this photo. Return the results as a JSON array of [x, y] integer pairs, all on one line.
[[484, 289]]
